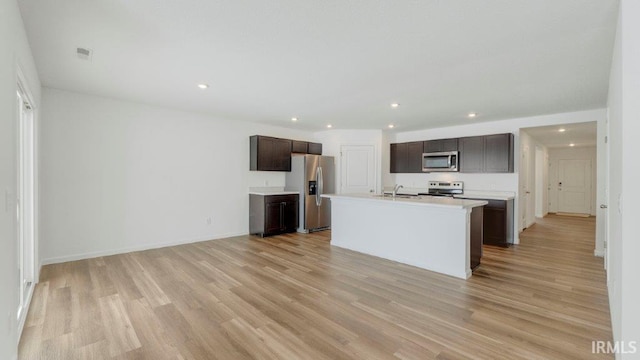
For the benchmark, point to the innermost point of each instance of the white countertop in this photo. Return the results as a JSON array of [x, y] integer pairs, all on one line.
[[265, 191], [424, 200], [489, 195], [468, 194]]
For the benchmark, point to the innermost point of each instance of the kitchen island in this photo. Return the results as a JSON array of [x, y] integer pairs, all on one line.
[[435, 233]]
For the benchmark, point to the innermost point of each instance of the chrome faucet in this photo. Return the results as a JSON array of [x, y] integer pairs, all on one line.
[[395, 190]]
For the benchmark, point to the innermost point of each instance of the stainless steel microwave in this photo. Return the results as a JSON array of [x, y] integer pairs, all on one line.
[[440, 161]]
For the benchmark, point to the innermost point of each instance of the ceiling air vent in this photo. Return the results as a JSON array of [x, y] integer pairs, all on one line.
[[84, 54]]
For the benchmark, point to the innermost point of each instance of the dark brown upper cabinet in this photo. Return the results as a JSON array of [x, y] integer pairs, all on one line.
[[431, 146], [314, 148], [406, 157], [304, 147], [471, 154], [301, 147], [414, 156], [486, 154], [478, 154], [498, 153], [269, 153], [398, 158]]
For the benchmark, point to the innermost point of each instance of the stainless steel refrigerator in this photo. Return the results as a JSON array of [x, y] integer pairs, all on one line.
[[312, 176]]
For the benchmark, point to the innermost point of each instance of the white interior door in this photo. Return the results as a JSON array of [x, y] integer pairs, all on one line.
[[357, 169], [574, 186]]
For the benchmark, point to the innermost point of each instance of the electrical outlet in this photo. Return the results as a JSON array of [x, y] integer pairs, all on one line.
[[266, 183], [209, 220]]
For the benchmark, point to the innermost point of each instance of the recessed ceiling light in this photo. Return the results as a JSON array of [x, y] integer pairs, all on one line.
[[203, 86], [294, 119], [394, 105], [471, 115], [562, 130], [391, 126], [572, 144], [329, 126]]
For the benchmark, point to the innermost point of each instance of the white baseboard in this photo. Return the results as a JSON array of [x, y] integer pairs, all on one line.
[[128, 249], [598, 253]]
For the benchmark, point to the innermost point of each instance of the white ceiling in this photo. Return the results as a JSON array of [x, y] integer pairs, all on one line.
[[579, 134], [332, 61]]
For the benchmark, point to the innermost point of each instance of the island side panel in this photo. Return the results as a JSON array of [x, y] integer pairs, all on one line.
[[432, 238], [476, 230]]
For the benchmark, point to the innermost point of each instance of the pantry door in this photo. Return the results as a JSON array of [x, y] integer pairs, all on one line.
[[358, 168]]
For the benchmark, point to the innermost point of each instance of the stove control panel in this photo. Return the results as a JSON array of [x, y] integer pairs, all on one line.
[[446, 185]]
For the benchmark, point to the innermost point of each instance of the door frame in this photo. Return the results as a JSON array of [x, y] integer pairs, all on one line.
[[606, 201], [525, 187], [541, 181], [25, 299]]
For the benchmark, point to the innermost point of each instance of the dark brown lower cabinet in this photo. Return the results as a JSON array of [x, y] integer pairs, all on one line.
[[498, 222], [273, 214], [476, 236]]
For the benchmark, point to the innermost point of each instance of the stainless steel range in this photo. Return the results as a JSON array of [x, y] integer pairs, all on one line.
[[445, 188]]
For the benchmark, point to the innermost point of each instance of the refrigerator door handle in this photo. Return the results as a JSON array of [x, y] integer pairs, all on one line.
[[320, 186]]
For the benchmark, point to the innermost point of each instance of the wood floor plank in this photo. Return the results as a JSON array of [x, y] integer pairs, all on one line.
[[294, 296], [119, 332]]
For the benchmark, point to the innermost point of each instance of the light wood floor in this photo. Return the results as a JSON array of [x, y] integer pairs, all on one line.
[[296, 297]]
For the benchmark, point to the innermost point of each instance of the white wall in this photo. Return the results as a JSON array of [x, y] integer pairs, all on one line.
[[333, 140], [500, 182], [624, 177], [14, 53], [576, 153], [118, 176], [388, 179]]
